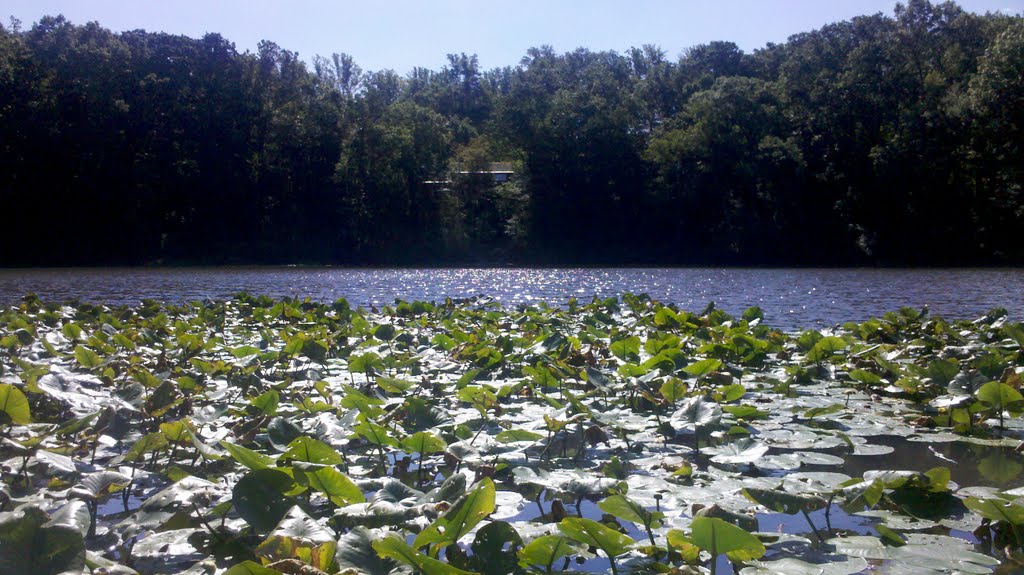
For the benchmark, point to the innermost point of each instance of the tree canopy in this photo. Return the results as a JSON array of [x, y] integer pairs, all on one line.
[[879, 140]]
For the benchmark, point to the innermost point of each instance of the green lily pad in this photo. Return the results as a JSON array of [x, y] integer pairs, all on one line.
[[392, 547], [547, 549], [13, 406], [28, 544], [299, 536], [259, 497], [590, 532], [623, 507], [716, 536], [355, 551], [461, 518]]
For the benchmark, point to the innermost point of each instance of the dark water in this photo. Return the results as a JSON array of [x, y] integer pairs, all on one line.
[[791, 298]]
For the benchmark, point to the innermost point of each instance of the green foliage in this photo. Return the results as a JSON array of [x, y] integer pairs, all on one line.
[[87, 358], [29, 544], [826, 348], [355, 551], [423, 442], [848, 144], [146, 444], [247, 457], [623, 507], [375, 434], [251, 568], [14, 408], [825, 410], [259, 496], [304, 453], [267, 402], [783, 502], [673, 390], [396, 549], [545, 550], [1001, 397], [510, 435], [311, 450], [590, 532], [366, 363], [703, 367], [99, 484], [626, 349], [463, 516], [334, 484], [995, 509], [717, 536], [299, 536], [942, 371]]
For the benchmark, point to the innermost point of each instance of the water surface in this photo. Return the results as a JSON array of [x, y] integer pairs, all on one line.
[[791, 298]]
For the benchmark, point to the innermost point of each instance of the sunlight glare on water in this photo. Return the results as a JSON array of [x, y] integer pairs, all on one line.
[[791, 298]]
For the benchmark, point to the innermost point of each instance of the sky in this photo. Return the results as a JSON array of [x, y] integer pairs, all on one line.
[[403, 34]]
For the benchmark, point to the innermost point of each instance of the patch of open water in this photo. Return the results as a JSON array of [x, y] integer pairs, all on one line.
[[970, 464], [791, 298]]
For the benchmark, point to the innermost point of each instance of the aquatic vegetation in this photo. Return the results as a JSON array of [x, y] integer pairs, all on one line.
[[256, 436]]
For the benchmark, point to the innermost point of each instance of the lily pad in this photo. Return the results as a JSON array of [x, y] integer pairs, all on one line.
[[259, 497], [29, 544]]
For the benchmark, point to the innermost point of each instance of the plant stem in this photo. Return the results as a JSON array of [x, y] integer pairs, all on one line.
[[714, 550], [811, 523], [828, 512], [205, 523], [583, 444], [547, 568], [92, 506], [547, 447], [126, 494], [483, 424]]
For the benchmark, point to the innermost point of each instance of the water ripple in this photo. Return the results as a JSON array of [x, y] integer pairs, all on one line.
[[791, 298]]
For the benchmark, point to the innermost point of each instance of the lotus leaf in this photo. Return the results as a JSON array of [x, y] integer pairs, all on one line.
[[391, 547], [716, 536], [334, 484], [703, 367], [590, 532], [299, 536], [259, 496], [355, 551], [311, 451], [250, 403], [461, 518], [31, 544], [547, 549], [13, 406], [739, 451]]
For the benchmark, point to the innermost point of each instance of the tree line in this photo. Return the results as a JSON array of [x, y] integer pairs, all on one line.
[[880, 140]]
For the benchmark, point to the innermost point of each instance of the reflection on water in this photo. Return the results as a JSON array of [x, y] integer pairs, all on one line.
[[791, 298], [969, 464]]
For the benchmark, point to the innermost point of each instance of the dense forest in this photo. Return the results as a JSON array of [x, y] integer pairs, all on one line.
[[881, 140]]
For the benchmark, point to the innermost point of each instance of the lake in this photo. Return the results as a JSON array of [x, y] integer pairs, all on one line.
[[790, 298]]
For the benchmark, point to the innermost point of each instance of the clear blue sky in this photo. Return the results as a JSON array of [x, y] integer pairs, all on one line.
[[402, 34]]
